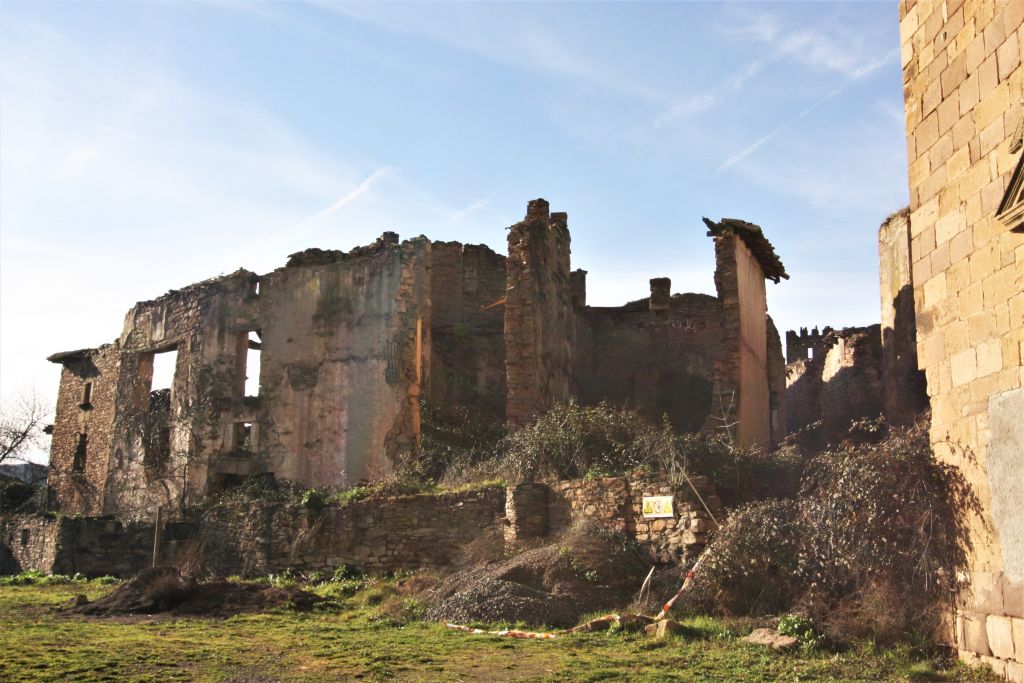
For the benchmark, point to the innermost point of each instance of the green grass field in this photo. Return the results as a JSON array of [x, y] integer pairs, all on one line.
[[353, 642]]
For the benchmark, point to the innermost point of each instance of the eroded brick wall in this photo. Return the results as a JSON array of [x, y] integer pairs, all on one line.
[[467, 360], [963, 87], [538, 314], [740, 403], [657, 361]]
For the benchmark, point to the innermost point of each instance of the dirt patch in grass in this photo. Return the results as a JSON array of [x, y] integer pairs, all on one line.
[[162, 590]]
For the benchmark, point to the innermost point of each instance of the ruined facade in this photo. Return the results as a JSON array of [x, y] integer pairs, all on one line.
[[837, 376], [964, 96], [350, 344], [839, 381]]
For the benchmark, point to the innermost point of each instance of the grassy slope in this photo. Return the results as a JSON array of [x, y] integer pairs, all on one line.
[[37, 644]]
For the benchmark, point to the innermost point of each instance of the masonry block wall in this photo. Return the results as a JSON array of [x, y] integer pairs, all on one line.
[[253, 537], [68, 545], [963, 87], [538, 314], [343, 341], [84, 428]]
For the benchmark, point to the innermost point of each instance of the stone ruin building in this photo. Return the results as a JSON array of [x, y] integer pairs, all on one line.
[[836, 376], [350, 344]]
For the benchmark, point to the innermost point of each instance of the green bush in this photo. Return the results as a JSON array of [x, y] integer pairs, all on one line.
[[573, 440], [314, 499], [16, 496]]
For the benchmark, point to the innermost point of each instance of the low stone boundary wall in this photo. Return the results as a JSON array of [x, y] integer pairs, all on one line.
[[256, 537], [374, 535], [615, 503], [94, 546]]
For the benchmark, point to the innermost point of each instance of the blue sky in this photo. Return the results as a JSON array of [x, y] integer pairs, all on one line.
[[144, 146]]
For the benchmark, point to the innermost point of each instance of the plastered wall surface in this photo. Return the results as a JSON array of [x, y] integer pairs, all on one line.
[[753, 309]]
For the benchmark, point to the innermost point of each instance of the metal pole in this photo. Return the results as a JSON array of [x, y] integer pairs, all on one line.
[[157, 524]]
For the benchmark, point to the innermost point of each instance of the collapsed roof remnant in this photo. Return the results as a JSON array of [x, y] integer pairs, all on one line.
[[755, 240]]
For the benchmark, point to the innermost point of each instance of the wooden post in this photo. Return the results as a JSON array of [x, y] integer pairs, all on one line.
[[157, 524]]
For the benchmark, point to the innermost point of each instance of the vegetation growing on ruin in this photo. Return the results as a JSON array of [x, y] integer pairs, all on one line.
[[871, 546]]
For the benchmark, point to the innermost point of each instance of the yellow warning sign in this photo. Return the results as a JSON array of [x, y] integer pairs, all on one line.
[[657, 506]]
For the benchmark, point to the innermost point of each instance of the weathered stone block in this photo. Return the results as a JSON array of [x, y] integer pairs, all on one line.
[[999, 630]]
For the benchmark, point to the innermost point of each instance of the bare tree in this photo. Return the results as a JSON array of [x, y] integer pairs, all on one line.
[[23, 422]]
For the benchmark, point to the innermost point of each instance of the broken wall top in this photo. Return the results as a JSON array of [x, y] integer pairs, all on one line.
[[753, 237]]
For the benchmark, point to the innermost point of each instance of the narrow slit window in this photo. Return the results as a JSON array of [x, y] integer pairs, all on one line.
[[81, 451], [86, 395], [254, 347], [24, 536], [810, 352]]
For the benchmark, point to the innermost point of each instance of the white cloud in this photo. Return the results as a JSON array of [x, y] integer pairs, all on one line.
[[855, 75]]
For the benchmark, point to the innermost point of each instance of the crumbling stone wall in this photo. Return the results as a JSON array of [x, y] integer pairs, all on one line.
[[655, 356], [851, 381], [615, 503], [343, 341], [744, 259], [28, 542], [963, 88], [350, 342], [467, 361], [201, 324], [841, 383], [93, 546], [374, 535], [341, 365], [805, 345], [83, 428], [904, 385], [538, 325]]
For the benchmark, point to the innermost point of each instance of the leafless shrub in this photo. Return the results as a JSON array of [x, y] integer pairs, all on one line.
[[871, 547]]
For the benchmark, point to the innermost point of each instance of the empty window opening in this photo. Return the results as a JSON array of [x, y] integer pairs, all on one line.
[[810, 352], [250, 344], [243, 437], [24, 536], [86, 395], [164, 365], [81, 450]]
